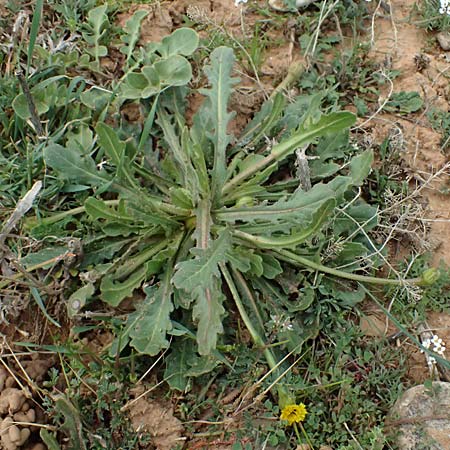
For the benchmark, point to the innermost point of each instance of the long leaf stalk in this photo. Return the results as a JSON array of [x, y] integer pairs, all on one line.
[[257, 339], [302, 261], [248, 293], [283, 393], [31, 222], [152, 201]]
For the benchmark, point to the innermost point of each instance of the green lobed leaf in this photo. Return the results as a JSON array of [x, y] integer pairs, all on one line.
[[173, 71], [49, 439], [132, 29], [113, 292], [219, 75], [51, 254], [360, 167], [312, 220], [95, 98], [177, 365], [296, 209], [198, 272], [98, 209], [111, 144], [265, 119], [271, 267], [74, 166], [20, 104], [181, 197], [183, 362], [97, 22], [208, 312], [181, 154], [327, 124], [152, 323]]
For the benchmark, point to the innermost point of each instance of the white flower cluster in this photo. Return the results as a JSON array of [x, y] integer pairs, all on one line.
[[438, 347], [445, 7], [280, 322]]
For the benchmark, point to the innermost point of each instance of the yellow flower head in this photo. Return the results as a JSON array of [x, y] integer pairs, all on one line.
[[294, 413]]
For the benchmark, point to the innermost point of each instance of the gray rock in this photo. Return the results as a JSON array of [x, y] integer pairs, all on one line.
[[422, 416], [444, 40]]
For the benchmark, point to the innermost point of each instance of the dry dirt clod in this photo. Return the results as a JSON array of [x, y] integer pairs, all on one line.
[[12, 437], [29, 416], [158, 420], [11, 400], [37, 368], [443, 39]]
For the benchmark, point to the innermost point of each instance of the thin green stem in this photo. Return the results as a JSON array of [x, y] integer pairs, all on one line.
[[240, 279], [298, 260], [297, 433], [257, 339], [306, 436], [33, 221]]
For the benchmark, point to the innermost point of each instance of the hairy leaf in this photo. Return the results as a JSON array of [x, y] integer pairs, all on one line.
[[296, 210], [111, 144], [132, 29], [312, 221], [74, 166], [152, 321], [173, 71], [177, 365], [113, 292], [333, 122], [219, 75], [360, 167], [208, 312], [198, 272], [98, 209], [183, 41]]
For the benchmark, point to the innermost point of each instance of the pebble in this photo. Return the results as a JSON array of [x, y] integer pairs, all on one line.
[[444, 40]]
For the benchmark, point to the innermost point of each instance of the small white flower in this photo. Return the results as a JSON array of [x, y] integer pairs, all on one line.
[[445, 7], [440, 350], [436, 340], [426, 343], [239, 2], [287, 325]]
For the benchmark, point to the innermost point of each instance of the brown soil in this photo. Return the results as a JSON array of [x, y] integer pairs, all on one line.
[[399, 44]]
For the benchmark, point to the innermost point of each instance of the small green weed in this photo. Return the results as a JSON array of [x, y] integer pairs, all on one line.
[[88, 410], [434, 14], [440, 121]]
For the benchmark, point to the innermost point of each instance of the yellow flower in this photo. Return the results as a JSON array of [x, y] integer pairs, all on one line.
[[294, 413]]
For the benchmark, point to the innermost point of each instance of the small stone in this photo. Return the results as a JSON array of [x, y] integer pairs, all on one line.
[[422, 417], [444, 40]]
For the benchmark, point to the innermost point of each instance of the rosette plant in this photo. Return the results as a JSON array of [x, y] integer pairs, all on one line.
[[206, 224]]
